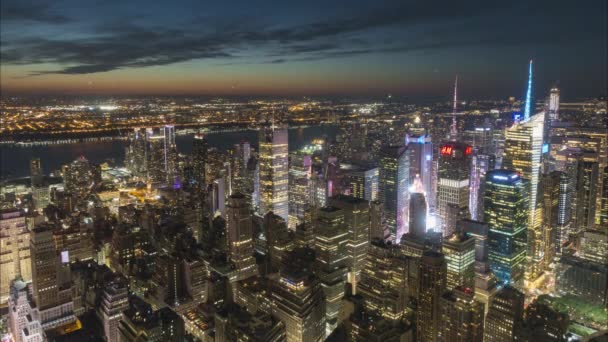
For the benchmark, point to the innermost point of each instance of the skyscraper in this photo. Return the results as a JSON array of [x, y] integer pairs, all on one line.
[[504, 316], [274, 171], [523, 152], [553, 105], [461, 316], [357, 221], [506, 212], [299, 188], [240, 236], [394, 183], [480, 165], [15, 247], [331, 239], [199, 158], [432, 277], [114, 301], [161, 155], [453, 174], [459, 251], [36, 172], [418, 213], [556, 209], [421, 164]]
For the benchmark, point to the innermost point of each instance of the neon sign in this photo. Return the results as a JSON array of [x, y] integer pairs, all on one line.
[[446, 150], [468, 150]]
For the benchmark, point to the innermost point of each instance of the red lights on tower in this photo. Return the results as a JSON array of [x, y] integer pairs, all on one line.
[[468, 150], [446, 150]]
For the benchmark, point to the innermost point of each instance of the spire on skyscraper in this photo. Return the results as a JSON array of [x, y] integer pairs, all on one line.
[[453, 127], [528, 94]]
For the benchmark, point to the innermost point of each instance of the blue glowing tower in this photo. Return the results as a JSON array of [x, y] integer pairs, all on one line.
[[528, 95]]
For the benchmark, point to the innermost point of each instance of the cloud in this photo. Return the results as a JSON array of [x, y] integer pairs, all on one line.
[[405, 27]]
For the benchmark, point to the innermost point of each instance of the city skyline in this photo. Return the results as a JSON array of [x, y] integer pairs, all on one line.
[[403, 49]]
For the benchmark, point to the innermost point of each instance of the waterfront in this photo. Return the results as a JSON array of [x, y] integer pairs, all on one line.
[[14, 159]]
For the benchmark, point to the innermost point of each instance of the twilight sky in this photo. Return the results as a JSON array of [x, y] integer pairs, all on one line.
[[270, 47]]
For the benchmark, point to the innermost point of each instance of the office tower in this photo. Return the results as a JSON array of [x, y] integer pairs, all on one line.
[[14, 250], [421, 164], [52, 295], [297, 298], [461, 316], [586, 194], [480, 165], [377, 226], [523, 152], [453, 179], [432, 284], [553, 105], [136, 155], [357, 220], [240, 236], [459, 251], [557, 211], [274, 172], [453, 214], [543, 323], [481, 138], [604, 203], [418, 215], [279, 239], [299, 188], [485, 280], [114, 301], [331, 239], [167, 285], [394, 183], [362, 182], [141, 323], [23, 317], [384, 281], [218, 197], [36, 175], [81, 177], [506, 212], [504, 316], [199, 158]]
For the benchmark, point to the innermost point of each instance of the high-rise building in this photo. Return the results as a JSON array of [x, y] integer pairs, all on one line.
[[586, 194], [161, 155], [459, 251], [461, 316], [506, 212], [557, 211], [274, 171], [384, 281], [297, 298], [394, 194], [453, 179], [418, 214], [504, 315], [480, 165], [331, 239], [554, 105], [362, 182], [377, 226], [432, 282], [199, 158], [14, 250], [239, 228], [81, 177], [299, 188], [523, 153], [357, 221], [114, 301], [52, 293], [36, 175], [421, 164], [604, 207], [136, 154], [23, 316]]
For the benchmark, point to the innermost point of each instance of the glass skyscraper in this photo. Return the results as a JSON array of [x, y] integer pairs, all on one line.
[[274, 172]]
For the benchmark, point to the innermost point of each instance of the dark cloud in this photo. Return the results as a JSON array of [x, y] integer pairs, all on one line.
[[24, 11], [123, 44]]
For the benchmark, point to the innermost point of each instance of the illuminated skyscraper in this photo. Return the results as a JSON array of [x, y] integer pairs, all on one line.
[[274, 172], [81, 177], [199, 158], [394, 183], [161, 155], [453, 174], [362, 181], [14, 244], [421, 164], [418, 213], [240, 236], [554, 105], [504, 316], [506, 212], [299, 188], [36, 172], [556, 209], [115, 300], [480, 165], [357, 220], [136, 156], [297, 298], [523, 152], [459, 251], [432, 279], [461, 317], [331, 239]]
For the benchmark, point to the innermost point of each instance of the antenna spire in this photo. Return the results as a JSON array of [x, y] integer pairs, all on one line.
[[454, 127], [528, 94]]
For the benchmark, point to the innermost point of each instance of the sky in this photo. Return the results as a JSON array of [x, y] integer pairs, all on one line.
[[295, 48]]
